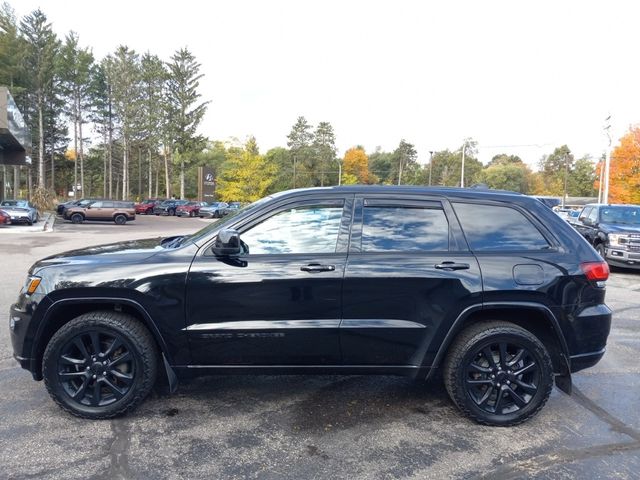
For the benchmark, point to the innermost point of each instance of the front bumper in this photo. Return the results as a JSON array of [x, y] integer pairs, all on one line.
[[620, 257], [20, 321]]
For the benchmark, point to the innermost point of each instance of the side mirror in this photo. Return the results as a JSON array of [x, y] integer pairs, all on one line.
[[227, 243]]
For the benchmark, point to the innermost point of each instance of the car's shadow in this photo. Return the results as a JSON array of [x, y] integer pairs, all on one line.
[[305, 402]]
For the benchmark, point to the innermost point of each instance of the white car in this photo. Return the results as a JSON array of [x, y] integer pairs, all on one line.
[[20, 211]]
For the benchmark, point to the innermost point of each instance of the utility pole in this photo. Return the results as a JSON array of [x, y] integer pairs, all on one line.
[[607, 160], [430, 164], [464, 146]]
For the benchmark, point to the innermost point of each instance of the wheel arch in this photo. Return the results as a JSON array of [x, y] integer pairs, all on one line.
[[536, 318], [65, 310]]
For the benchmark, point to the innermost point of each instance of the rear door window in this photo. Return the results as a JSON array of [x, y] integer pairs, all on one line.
[[498, 228], [399, 228]]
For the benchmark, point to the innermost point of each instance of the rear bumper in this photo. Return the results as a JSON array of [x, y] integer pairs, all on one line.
[[591, 329], [586, 360]]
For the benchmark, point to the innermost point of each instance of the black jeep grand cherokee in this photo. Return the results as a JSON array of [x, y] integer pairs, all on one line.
[[491, 288]]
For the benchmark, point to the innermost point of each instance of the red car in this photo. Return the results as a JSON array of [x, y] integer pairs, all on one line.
[[190, 209], [146, 207], [5, 218]]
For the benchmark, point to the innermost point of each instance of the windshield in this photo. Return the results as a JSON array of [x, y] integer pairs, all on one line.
[[201, 234], [620, 214], [14, 203]]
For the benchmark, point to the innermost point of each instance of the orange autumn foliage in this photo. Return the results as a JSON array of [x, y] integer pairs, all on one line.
[[624, 171], [356, 163]]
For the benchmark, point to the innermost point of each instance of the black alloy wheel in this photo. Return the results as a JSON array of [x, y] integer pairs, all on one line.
[[100, 364], [498, 373], [96, 368], [77, 218], [120, 219]]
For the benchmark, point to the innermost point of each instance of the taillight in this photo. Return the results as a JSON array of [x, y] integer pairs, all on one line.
[[596, 271]]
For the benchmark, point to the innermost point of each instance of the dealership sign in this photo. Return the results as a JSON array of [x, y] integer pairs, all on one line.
[[206, 184]]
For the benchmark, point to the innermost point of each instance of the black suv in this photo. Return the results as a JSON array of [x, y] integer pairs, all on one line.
[[614, 231], [490, 288]]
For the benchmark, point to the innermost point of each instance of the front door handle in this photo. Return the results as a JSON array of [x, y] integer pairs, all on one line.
[[316, 267], [452, 266]]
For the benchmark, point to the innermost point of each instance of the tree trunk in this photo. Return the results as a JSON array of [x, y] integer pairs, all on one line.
[[53, 171], [125, 167], [110, 147], [181, 176], [150, 172], [157, 181], [105, 162], [166, 173], [75, 155], [81, 149], [40, 144], [29, 184], [139, 175]]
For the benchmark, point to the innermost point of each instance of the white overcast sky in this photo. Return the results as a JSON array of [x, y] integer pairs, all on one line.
[[525, 75]]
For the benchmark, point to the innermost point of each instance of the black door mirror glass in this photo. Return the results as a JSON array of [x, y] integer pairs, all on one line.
[[227, 243]]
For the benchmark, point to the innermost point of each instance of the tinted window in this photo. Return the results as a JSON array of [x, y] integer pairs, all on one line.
[[308, 229], [108, 204], [495, 228], [400, 229]]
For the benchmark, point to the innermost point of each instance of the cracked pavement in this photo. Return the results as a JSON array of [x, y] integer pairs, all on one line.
[[313, 426]]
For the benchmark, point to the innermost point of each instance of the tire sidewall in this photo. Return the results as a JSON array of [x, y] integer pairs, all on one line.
[[54, 386], [546, 375], [76, 218], [120, 219]]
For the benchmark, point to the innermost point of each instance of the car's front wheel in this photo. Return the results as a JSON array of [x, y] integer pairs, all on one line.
[[498, 373], [100, 365], [77, 218], [120, 219]]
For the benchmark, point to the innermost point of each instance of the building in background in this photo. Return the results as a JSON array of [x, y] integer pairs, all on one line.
[[15, 137]]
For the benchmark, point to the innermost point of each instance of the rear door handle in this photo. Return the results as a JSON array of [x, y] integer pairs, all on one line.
[[316, 267], [452, 266]]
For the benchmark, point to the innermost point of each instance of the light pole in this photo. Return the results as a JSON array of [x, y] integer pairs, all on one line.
[[464, 146], [607, 160], [566, 174], [430, 164]]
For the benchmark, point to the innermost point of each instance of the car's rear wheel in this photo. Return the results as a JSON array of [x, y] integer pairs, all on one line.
[[100, 365], [77, 218], [120, 219], [498, 373]]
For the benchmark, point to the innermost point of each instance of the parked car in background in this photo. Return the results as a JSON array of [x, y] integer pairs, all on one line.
[[213, 210], [233, 207], [168, 207], [20, 211], [489, 289], [146, 206], [102, 210], [614, 231], [190, 209], [567, 213], [5, 218], [83, 202]]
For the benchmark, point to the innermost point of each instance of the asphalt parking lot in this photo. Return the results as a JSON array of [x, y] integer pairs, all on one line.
[[302, 427]]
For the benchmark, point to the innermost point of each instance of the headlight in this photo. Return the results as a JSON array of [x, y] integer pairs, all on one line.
[[32, 284], [614, 239]]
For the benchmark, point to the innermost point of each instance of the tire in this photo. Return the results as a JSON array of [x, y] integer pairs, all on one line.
[[192, 214], [498, 396], [77, 218], [172, 213], [101, 395], [120, 219]]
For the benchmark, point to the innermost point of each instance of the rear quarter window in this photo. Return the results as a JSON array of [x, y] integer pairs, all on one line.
[[497, 228]]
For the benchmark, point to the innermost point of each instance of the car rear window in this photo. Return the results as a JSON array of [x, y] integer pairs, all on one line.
[[498, 228]]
